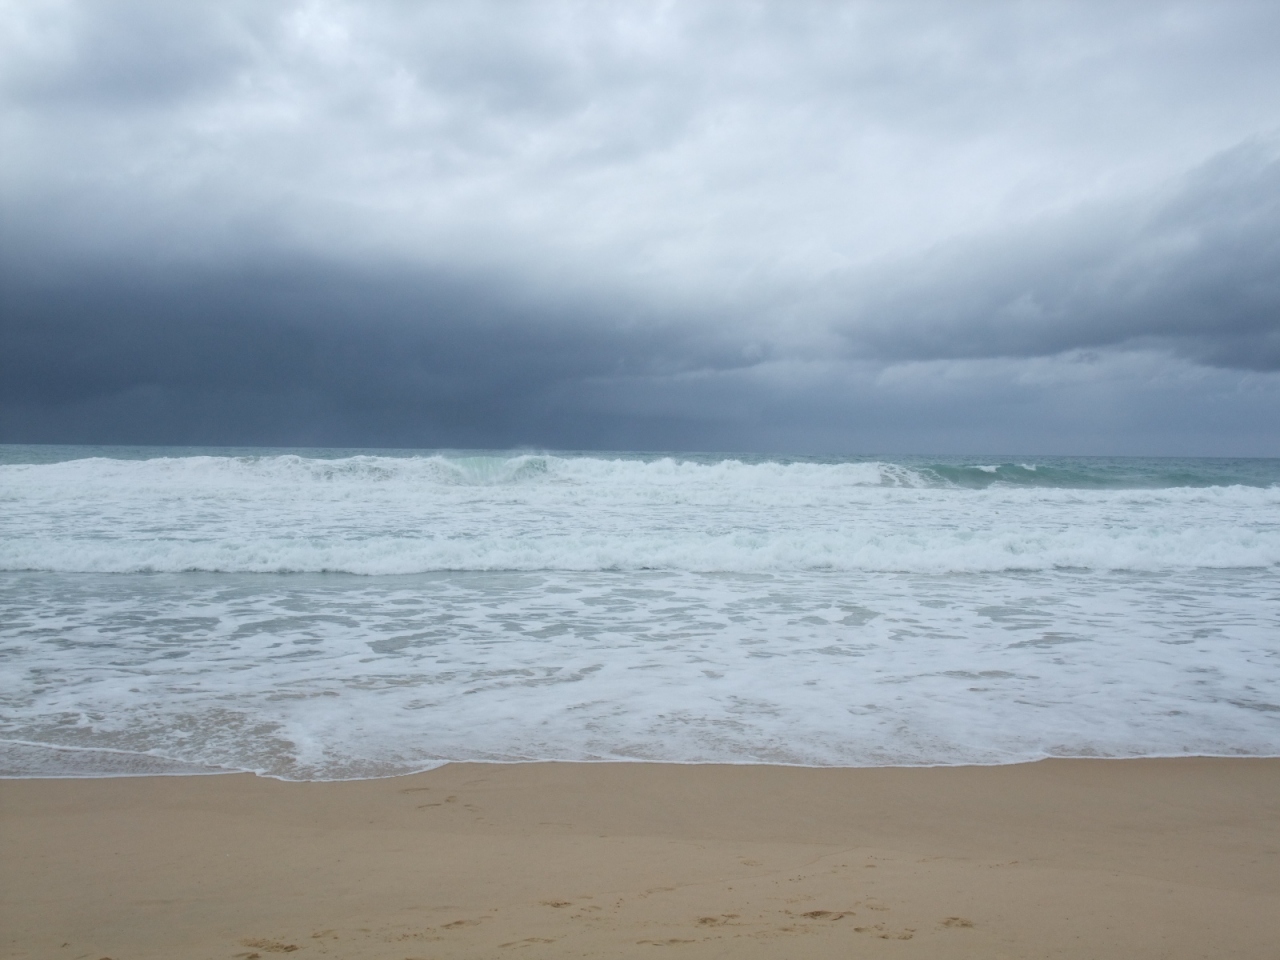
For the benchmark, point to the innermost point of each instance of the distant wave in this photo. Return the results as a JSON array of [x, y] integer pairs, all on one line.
[[488, 470], [437, 470], [397, 515]]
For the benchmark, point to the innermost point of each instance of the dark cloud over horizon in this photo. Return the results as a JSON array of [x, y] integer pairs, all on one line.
[[1194, 272], [800, 227]]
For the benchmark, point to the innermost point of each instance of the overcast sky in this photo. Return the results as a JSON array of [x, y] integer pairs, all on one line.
[[779, 227]]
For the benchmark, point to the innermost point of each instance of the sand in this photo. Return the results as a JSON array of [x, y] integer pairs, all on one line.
[[1064, 858]]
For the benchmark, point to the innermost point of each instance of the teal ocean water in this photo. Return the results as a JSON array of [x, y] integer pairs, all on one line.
[[322, 614]]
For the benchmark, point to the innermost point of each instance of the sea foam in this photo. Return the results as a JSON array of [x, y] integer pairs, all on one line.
[[321, 617], [387, 515]]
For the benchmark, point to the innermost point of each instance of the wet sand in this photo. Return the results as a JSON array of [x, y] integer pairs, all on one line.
[[1068, 858]]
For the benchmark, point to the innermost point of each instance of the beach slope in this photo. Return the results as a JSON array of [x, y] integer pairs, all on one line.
[[1062, 858]]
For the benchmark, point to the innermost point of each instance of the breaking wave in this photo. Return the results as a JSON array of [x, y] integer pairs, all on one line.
[[377, 515]]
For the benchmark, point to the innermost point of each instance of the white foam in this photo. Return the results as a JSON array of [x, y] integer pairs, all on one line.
[[381, 515], [327, 678], [613, 608]]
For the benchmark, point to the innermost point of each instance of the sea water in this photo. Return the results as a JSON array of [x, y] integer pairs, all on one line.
[[328, 614]]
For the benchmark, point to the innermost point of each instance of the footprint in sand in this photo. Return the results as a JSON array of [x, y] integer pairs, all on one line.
[[653, 890], [270, 946], [880, 931], [957, 922]]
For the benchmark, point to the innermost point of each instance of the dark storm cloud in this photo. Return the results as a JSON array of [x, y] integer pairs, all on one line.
[[378, 357], [1197, 273], [757, 226]]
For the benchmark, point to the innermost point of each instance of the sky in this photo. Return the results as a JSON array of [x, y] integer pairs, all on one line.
[[806, 228]]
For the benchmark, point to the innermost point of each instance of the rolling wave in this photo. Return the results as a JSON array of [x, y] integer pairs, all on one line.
[[1085, 473], [374, 515]]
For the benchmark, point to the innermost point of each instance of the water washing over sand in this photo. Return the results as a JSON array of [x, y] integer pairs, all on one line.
[[319, 615]]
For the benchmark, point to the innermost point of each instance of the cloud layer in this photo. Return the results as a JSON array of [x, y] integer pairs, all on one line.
[[873, 226]]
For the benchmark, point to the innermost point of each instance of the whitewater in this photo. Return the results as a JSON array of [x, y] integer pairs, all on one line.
[[335, 614]]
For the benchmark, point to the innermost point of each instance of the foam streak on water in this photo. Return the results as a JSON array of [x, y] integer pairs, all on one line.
[[322, 617]]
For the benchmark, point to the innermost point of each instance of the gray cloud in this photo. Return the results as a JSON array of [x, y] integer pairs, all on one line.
[[728, 225], [393, 357], [1197, 272], [126, 54]]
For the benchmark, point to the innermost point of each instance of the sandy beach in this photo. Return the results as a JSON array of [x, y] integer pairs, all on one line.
[[1065, 858]]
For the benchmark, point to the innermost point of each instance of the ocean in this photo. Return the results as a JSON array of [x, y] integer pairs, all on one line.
[[330, 614]]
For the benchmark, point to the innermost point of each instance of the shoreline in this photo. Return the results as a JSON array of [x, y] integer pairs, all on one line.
[[1168, 857], [183, 768]]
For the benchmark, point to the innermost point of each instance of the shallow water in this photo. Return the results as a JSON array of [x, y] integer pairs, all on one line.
[[318, 615]]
